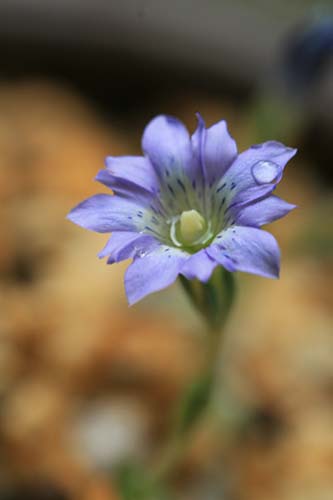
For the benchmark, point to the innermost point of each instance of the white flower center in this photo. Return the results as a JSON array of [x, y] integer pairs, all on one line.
[[192, 227], [189, 229]]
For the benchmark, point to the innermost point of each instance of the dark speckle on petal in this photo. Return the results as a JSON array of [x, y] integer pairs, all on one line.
[[232, 259], [180, 183], [171, 190], [148, 228], [221, 187], [221, 204]]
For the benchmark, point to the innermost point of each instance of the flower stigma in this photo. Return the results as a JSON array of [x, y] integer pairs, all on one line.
[[189, 229]]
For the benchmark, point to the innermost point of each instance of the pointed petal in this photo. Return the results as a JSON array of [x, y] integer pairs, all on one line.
[[155, 271], [263, 211], [250, 195], [135, 169], [105, 213], [247, 249], [198, 140], [256, 171], [215, 147], [124, 188], [199, 266], [124, 245], [167, 143]]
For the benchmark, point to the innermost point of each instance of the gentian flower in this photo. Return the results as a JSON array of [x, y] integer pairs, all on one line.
[[188, 205]]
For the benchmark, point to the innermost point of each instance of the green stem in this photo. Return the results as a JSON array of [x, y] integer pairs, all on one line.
[[192, 405], [214, 301]]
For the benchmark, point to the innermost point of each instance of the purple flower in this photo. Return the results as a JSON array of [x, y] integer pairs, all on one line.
[[188, 205]]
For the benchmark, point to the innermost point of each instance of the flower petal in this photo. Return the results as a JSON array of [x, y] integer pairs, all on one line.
[[257, 170], [215, 147], [197, 140], [247, 249], [153, 272], [124, 245], [124, 187], [167, 143], [136, 169], [199, 266], [263, 211], [249, 195], [105, 213]]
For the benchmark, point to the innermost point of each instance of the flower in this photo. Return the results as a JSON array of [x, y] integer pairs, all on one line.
[[188, 205]]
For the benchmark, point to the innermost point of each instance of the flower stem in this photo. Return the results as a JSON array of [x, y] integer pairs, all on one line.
[[215, 307]]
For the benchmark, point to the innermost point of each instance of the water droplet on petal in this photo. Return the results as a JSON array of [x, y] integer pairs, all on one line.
[[265, 172], [139, 251]]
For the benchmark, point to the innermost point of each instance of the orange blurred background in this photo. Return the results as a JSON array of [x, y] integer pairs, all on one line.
[[87, 383]]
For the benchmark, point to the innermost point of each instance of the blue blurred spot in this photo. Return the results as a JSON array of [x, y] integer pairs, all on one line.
[[308, 53]]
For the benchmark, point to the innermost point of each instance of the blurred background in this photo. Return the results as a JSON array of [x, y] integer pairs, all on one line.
[[87, 384]]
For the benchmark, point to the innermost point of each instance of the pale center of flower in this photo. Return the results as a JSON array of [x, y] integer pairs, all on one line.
[[192, 227], [189, 229]]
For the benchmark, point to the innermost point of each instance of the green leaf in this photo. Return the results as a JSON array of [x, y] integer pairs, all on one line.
[[194, 403], [134, 483]]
